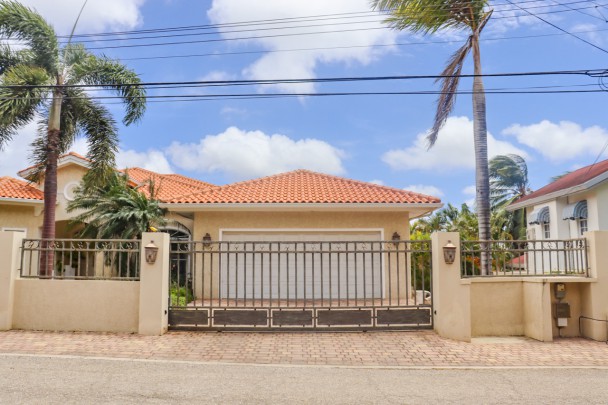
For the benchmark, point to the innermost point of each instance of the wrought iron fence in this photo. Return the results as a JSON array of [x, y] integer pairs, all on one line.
[[268, 277], [80, 259], [526, 257]]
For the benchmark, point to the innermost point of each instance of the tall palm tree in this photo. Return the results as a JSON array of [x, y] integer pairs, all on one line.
[[117, 210], [43, 79], [430, 16]]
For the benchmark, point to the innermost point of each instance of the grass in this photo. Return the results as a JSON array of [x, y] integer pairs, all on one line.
[[180, 296]]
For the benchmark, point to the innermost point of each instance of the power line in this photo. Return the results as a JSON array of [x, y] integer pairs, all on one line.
[[293, 34], [285, 20], [561, 29], [350, 46], [581, 72], [208, 27]]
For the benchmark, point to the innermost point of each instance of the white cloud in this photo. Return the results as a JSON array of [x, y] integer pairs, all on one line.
[[153, 160], [453, 149], [424, 189], [562, 141], [97, 15], [15, 155], [470, 191], [378, 182], [289, 65], [248, 154]]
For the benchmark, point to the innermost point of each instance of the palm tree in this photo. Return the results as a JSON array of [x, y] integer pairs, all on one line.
[[117, 210], [508, 179], [430, 16], [43, 79], [508, 182]]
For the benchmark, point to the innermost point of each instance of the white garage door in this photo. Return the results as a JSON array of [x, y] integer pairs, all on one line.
[[283, 267]]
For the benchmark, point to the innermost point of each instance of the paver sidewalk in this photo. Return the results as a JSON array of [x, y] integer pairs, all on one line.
[[347, 349]]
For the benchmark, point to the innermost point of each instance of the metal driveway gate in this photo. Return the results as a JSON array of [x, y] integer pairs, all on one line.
[[298, 285]]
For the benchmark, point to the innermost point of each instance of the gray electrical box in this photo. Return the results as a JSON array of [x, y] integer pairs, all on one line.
[[560, 291], [561, 310]]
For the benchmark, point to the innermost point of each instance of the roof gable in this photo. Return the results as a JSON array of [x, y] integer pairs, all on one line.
[[576, 178], [303, 186]]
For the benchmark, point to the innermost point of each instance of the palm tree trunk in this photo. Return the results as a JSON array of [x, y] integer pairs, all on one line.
[[482, 178], [47, 256]]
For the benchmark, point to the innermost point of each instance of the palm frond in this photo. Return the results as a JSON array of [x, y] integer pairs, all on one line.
[[22, 23], [113, 75], [430, 16], [18, 105], [449, 86], [96, 123]]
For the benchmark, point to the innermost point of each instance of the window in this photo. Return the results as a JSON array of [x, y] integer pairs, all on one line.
[[582, 226], [547, 230], [531, 234]]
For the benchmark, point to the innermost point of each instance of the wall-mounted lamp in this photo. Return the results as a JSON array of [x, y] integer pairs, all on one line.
[[449, 253], [151, 252], [396, 238], [207, 240]]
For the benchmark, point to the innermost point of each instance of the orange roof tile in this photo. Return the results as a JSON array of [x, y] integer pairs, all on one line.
[[18, 189], [168, 186], [303, 186]]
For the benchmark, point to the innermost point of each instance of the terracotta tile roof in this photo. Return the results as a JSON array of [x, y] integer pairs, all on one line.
[[303, 186], [576, 178], [169, 186], [13, 188]]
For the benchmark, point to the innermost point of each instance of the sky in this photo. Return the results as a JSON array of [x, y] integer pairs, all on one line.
[[379, 138]]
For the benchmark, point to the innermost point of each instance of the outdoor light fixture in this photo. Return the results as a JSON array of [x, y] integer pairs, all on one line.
[[207, 239], [151, 252], [449, 253], [396, 238]]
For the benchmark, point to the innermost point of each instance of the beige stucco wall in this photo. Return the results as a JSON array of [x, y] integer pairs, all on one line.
[[21, 216], [212, 222], [497, 308], [537, 310], [76, 305], [65, 176]]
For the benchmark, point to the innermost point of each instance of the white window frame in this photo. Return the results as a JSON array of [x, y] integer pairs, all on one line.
[[582, 228], [546, 226]]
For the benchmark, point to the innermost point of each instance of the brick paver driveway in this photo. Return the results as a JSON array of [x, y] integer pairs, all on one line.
[[414, 349]]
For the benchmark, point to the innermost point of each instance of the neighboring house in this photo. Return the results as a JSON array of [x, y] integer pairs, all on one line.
[[569, 206], [298, 205]]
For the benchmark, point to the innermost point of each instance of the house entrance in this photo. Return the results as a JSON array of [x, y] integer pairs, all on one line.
[[294, 282]]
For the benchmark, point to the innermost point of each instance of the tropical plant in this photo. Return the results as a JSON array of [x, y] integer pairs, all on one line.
[[428, 17], [509, 182], [508, 179], [45, 79], [116, 210]]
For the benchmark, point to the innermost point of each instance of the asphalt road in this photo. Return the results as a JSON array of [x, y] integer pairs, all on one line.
[[53, 380]]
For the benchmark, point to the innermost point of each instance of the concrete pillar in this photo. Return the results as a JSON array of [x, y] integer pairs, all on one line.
[[10, 244], [538, 319], [154, 286], [594, 297], [451, 295]]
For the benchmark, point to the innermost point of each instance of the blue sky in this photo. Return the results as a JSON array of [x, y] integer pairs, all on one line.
[[370, 138]]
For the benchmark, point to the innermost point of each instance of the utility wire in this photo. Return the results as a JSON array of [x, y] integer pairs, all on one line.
[[349, 46], [581, 72], [298, 26], [285, 20], [561, 29], [293, 34]]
